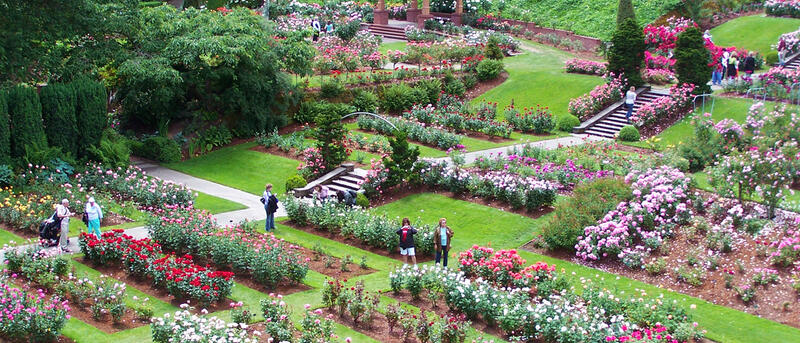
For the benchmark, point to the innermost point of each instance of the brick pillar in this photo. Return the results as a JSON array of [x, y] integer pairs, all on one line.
[[426, 14], [380, 14], [413, 12]]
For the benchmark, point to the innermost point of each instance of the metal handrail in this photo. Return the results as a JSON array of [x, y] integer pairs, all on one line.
[[371, 114], [763, 91], [704, 96]]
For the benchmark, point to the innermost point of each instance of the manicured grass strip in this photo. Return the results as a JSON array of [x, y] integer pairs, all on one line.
[[755, 32], [216, 205], [392, 46], [471, 223], [538, 77], [723, 324], [7, 237], [240, 168]]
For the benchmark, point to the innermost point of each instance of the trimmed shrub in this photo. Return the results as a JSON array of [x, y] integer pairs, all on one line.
[[25, 111], [492, 50], [590, 202], [58, 112], [771, 58], [489, 69], [5, 130], [625, 11], [691, 60], [308, 111], [470, 81], [454, 87], [567, 122], [365, 101], [432, 88], [91, 114], [629, 133], [362, 201], [627, 52], [398, 97], [158, 148], [331, 89], [295, 181]]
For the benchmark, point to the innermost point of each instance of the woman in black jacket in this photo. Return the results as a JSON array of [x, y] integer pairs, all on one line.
[[406, 233], [749, 64]]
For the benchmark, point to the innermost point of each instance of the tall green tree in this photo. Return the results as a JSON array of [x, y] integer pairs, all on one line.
[[625, 11], [58, 112], [692, 60], [401, 162], [91, 113], [626, 56], [330, 134], [5, 130], [25, 112]]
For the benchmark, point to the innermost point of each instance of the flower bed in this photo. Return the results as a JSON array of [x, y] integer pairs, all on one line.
[[132, 183], [503, 268], [567, 175], [30, 317], [416, 131], [580, 66], [779, 8], [537, 120], [676, 105], [777, 82], [661, 201], [658, 76], [374, 230], [454, 117], [24, 210], [519, 192], [602, 96], [184, 326], [554, 314]]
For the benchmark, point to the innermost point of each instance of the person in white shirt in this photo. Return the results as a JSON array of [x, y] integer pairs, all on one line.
[[316, 28], [630, 99], [707, 36], [63, 213], [94, 215]]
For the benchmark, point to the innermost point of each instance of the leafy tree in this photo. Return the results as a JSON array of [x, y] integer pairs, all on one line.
[[25, 112], [625, 11], [627, 52], [330, 134], [91, 113], [58, 112], [5, 130], [401, 162], [695, 10], [151, 91], [692, 59]]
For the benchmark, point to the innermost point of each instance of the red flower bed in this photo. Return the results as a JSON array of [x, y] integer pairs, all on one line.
[[503, 267], [107, 249]]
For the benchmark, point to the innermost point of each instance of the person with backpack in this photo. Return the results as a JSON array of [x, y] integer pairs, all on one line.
[[270, 202], [442, 236], [733, 67], [63, 213], [407, 233], [93, 217], [749, 64]]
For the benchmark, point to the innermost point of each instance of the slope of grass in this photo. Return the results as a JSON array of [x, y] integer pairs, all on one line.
[[756, 32], [241, 168], [216, 205]]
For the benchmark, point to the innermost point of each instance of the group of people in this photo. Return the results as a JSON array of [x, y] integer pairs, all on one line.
[[442, 236], [347, 197], [317, 29], [92, 216], [728, 67]]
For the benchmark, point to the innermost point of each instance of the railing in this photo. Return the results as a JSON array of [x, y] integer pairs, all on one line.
[[370, 114], [704, 96]]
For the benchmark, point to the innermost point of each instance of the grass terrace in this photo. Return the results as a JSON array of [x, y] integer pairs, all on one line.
[[755, 32]]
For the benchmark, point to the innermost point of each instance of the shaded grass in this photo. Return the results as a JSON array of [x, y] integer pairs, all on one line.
[[756, 32], [240, 168]]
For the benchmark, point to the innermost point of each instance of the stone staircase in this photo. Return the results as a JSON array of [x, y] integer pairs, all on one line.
[[608, 122], [344, 178], [793, 62], [386, 31]]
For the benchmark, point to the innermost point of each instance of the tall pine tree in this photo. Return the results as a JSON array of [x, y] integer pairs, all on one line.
[[25, 112], [330, 134], [692, 59], [5, 130], [627, 52], [58, 112], [625, 11], [401, 162], [91, 113]]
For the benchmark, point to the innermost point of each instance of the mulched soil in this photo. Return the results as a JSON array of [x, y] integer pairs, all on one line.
[[778, 302], [354, 243], [144, 285], [378, 329], [441, 308], [317, 263], [105, 323]]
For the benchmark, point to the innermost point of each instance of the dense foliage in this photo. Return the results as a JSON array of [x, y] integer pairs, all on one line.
[[692, 60], [626, 56]]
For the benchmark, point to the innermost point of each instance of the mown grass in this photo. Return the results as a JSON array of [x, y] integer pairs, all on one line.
[[215, 204], [755, 32]]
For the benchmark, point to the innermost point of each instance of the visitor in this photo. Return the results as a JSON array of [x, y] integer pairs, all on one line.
[[321, 192], [716, 75], [724, 61], [630, 99], [406, 233], [707, 36], [270, 202], [329, 28], [749, 64], [316, 28], [733, 67], [441, 240], [781, 53], [63, 213], [351, 198], [93, 215]]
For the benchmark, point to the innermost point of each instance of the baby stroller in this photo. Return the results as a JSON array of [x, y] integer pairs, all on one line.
[[49, 230]]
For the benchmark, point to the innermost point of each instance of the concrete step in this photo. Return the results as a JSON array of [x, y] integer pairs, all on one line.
[[348, 185], [351, 179], [599, 133], [608, 127], [336, 188]]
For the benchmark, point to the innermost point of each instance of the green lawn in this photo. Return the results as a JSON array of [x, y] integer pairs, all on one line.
[[240, 168], [756, 32], [538, 77], [392, 46], [216, 205]]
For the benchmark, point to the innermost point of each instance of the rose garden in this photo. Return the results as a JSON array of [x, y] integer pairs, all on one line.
[[570, 221]]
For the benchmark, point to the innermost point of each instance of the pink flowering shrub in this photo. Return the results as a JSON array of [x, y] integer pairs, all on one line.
[[779, 8], [674, 106], [374, 183], [580, 66], [587, 105], [32, 317], [504, 268], [311, 164], [660, 202], [658, 76]]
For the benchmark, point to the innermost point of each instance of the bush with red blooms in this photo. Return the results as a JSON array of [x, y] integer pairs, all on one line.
[[505, 268], [184, 279], [107, 249]]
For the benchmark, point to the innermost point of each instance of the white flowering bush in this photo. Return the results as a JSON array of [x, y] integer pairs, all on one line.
[[183, 326]]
